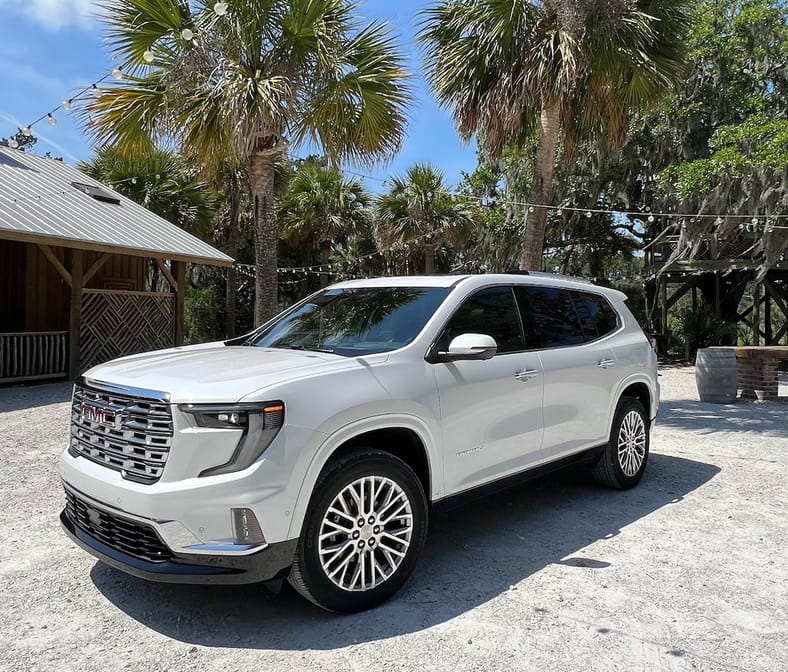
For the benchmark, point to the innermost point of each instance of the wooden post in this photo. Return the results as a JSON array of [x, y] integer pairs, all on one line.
[[75, 313], [664, 310], [179, 273], [756, 313]]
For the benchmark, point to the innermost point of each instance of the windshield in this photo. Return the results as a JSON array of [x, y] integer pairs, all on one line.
[[355, 321]]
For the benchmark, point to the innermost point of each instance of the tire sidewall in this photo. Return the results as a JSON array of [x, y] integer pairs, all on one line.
[[322, 589], [625, 406]]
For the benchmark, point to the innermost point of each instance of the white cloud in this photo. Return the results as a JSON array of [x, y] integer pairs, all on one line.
[[55, 14]]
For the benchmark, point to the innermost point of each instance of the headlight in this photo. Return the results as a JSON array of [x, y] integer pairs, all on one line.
[[258, 423]]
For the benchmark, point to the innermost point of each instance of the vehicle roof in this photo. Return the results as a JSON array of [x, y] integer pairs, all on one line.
[[480, 280]]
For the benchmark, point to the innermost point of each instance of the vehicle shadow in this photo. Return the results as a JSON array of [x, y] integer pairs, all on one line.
[[473, 554], [22, 397], [743, 416]]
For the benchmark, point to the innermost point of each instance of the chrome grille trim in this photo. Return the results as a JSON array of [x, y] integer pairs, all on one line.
[[135, 441]]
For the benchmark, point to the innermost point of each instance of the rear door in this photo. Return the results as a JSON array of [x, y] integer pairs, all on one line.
[[576, 365], [491, 410]]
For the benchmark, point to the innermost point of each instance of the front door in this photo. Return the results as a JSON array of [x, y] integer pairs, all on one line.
[[491, 410]]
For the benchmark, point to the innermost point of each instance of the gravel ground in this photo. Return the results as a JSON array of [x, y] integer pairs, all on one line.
[[685, 572]]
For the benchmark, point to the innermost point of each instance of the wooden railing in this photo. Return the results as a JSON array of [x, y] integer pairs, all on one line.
[[33, 355]]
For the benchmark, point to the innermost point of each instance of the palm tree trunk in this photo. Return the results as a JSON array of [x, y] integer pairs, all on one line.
[[429, 259], [542, 187], [230, 299], [266, 236]]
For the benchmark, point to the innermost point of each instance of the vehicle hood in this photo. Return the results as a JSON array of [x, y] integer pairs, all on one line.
[[215, 372]]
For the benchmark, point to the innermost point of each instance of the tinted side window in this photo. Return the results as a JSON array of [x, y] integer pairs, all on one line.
[[491, 311], [549, 316], [596, 315]]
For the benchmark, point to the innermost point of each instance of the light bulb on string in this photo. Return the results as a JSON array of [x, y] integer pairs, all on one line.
[[718, 221], [117, 73], [27, 131], [187, 34], [66, 104], [51, 120], [651, 219], [754, 221], [96, 90], [13, 144], [531, 208], [147, 56], [589, 214], [220, 8]]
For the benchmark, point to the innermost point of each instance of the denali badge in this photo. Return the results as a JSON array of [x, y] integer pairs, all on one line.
[[100, 415]]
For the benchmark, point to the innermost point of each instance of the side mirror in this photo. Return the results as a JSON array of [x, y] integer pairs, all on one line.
[[470, 346]]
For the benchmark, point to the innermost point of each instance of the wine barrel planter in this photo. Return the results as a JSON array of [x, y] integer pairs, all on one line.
[[716, 375]]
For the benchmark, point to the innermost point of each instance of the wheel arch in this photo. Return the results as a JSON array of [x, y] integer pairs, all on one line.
[[405, 437]]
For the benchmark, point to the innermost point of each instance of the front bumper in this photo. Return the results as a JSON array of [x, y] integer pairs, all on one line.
[[229, 565]]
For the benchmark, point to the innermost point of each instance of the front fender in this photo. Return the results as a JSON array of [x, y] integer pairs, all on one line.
[[342, 435]]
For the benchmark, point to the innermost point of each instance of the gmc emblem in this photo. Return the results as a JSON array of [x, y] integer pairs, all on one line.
[[101, 416]]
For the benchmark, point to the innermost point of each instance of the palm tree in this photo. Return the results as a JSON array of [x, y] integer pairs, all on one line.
[[321, 207], [419, 209], [233, 83], [560, 70]]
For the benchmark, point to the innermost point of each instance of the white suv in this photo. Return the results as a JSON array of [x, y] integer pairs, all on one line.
[[317, 446]]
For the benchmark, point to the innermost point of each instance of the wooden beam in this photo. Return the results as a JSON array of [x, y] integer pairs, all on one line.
[[75, 313], [756, 313], [50, 255], [95, 268], [166, 271], [681, 291], [70, 243], [179, 269]]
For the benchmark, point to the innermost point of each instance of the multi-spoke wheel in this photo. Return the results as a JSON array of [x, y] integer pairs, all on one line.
[[366, 525], [624, 459]]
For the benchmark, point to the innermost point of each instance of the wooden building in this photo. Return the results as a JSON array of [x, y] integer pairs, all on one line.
[[728, 272], [74, 259]]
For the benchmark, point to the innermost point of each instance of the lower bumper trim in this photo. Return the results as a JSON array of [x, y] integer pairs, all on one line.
[[272, 562]]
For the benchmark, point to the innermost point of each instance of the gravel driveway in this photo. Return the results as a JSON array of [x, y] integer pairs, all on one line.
[[688, 571]]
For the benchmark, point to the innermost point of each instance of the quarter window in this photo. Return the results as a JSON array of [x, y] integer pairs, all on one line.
[[492, 312], [549, 316], [596, 315]]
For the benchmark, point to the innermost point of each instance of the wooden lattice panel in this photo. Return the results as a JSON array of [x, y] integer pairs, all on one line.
[[117, 323]]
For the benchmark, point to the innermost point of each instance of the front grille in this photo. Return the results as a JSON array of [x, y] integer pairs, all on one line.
[[122, 534], [129, 434]]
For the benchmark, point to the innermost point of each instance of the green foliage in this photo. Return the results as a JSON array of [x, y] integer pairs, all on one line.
[[420, 211]]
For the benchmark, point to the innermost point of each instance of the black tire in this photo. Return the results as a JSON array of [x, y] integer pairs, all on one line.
[[612, 468], [308, 575]]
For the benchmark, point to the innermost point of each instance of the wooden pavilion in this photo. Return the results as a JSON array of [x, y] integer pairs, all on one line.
[[723, 270], [74, 259]]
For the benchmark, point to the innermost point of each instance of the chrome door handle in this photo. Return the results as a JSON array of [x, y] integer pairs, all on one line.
[[605, 363], [526, 374]]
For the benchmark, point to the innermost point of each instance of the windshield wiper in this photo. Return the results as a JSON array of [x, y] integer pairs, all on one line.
[[304, 347]]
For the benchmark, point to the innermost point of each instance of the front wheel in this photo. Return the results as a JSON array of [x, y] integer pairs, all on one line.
[[364, 530], [624, 460]]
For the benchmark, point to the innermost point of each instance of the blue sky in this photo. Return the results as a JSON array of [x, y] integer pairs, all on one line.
[[50, 49]]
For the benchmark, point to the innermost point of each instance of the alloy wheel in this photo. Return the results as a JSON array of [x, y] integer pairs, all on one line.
[[365, 533], [631, 443]]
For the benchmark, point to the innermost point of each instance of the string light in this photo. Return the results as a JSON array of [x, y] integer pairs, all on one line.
[[220, 8], [27, 131], [13, 144], [117, 73], [187, 34], [651, 219], [96, 93], [51, 120], [148, 56], [66, 104]]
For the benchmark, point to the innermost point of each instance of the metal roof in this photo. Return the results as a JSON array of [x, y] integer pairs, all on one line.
[[39, 204]]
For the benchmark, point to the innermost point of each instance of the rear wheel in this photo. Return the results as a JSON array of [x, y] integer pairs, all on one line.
[[624, 460], [364, 530]]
